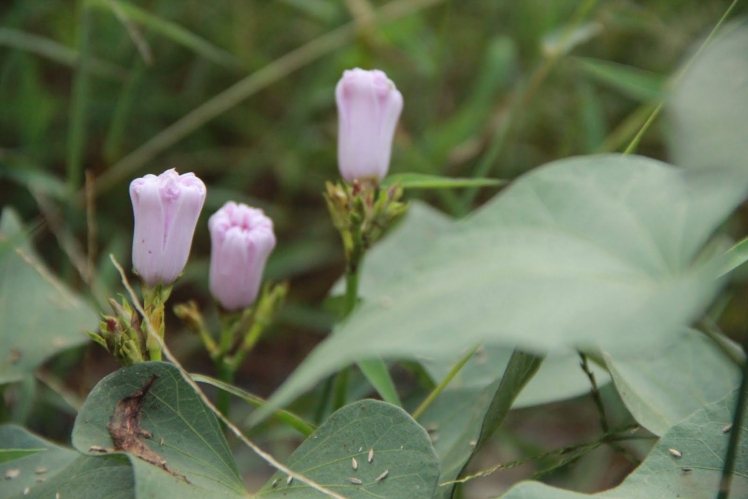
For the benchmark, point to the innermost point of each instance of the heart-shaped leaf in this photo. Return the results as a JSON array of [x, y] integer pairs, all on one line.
[[185, 434], [366, 449]]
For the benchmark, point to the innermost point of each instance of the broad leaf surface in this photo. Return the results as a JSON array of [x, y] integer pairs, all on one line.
[[185, 433], [663, 386], [89, 478], [559, 377], [32, 467], [709, 105], [401, 448], [593, 251], [8, 455], [39, 315], [701, 442]]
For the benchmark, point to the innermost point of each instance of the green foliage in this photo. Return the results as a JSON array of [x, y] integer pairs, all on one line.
[[403, 464], [89, 478], [32, 458], [634, 83], [612, 255], [185, 434], [586, 251], [468, 421], [39, 315], [666, 384], [708, 106], [700, 440]]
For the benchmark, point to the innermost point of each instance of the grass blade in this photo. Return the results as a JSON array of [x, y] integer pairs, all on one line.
[[170, 30], [58, 52], [234, 95]]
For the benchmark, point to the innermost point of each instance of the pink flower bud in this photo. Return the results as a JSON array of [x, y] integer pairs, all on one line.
[[241, 238], [369, 106], [166, 209]]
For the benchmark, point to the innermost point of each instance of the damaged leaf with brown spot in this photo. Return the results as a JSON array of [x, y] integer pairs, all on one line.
[[131, 411], [124, 428]]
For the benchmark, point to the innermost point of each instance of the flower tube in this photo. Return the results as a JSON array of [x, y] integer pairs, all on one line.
[[166, 210], [242, 239], [369, 106]]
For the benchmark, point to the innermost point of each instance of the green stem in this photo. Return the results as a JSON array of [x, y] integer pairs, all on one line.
[[224, 342], [441, 386], [341, 389], [154, 353], [340, 392], [737, 426], [223, 400], [249, 342], [579, 449], [324, 399], [351, 291]]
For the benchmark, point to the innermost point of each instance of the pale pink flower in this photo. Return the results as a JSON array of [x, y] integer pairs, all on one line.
[[369, 106], [242, 239], [166, 210]]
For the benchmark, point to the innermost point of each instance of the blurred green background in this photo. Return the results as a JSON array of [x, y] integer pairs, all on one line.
[[242, 93]]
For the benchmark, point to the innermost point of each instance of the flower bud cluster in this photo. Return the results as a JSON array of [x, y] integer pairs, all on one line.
[[361, 212], [121, 334]]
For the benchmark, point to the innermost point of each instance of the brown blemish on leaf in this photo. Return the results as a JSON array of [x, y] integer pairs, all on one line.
[[124, 428]]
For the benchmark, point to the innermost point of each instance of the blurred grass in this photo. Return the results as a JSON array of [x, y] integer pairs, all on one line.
[[241, 92]]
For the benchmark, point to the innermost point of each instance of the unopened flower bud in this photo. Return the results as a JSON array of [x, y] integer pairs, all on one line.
[[242, 238], [369, 106], [166, 210]]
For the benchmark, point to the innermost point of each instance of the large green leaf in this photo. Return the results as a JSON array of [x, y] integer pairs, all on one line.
[[559, 377], [700, 440], [709, 105], [39, 315], [664, 385], [27, 470], [402, 465], [89, 478], [598, 250], [185, 433]]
